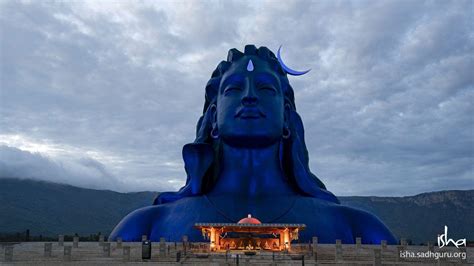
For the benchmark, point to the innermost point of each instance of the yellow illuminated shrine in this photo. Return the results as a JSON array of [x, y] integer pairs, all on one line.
[[250, 234]]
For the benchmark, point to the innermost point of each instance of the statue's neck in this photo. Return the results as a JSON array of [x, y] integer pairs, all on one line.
[[251, 172]]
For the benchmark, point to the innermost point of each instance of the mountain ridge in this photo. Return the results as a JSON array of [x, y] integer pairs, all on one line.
[[66, 209]]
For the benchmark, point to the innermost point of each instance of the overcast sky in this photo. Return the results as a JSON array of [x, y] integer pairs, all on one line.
[[104, 94]]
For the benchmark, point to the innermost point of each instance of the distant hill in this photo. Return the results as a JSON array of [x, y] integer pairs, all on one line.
[[50, 209], [422, 217]]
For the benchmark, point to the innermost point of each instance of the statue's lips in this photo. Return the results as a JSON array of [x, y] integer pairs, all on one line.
[[249, 113]]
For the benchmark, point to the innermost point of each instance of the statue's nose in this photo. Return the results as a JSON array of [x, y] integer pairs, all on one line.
[[250, 96]]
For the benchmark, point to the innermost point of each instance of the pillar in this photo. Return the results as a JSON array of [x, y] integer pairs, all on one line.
[[403, 242], [377, 257], [75, 242], [430, 246], [338, 254], [286, 239], [48, 247], [8, 253], [106, 249], [162, 247], [400, 249], [358, 242], [315, 242], [61, 240], [67, 253], [282, 241], [126, 253], [213, 239]]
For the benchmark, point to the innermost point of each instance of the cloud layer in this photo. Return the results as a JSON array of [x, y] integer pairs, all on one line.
[[105, 94]]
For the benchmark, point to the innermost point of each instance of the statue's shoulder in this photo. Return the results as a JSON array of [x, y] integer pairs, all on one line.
[[362, 223], [135, 224], [368, 226]]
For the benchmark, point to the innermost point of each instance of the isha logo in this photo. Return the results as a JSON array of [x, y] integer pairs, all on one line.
[[444, 241]]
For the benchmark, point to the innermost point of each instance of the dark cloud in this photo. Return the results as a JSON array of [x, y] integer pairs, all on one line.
[[387, 107], [84, 172]]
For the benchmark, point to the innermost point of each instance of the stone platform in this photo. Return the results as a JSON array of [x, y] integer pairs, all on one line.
[[105, 253]]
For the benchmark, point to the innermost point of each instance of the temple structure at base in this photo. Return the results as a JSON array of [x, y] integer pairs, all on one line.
[[250, 234]]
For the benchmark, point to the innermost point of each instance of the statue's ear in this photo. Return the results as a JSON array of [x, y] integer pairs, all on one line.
[[213, 110]]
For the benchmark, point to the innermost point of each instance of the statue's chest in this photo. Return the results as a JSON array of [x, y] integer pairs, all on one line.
[[176, 219]]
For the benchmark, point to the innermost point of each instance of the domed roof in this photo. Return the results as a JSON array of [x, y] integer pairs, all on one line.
[[249, 220]]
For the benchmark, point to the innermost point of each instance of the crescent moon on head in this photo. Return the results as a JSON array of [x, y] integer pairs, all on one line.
[[289, 70]]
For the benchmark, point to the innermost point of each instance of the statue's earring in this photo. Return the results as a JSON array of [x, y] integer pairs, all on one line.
[[286, 133], [214, 132]]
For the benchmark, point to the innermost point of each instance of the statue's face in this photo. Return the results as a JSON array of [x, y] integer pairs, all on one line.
[[250, 105]]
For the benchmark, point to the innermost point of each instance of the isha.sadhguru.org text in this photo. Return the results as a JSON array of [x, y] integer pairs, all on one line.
[[432, 254]]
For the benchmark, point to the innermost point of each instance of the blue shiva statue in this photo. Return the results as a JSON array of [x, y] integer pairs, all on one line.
[[250, 157]]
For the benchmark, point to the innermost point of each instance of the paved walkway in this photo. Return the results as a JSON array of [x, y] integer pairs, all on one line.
[[92, 253]]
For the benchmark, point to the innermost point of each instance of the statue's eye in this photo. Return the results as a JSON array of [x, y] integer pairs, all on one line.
[[268, 88], [232, 88]]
